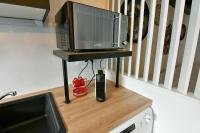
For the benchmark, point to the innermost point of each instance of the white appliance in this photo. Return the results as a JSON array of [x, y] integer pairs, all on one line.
[[141, 123]]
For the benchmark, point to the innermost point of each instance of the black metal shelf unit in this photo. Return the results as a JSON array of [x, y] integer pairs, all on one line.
[[67, 56]]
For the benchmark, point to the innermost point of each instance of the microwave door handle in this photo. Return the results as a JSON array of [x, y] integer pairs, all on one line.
[[113, 37]]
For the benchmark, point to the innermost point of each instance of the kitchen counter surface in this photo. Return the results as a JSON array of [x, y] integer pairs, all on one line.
[[86, 115]]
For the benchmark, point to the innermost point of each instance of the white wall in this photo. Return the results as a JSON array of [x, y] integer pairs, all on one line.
[[27, 62], [175, 113]]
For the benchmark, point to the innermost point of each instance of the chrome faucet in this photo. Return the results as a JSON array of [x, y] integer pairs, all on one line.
[[12, 93]]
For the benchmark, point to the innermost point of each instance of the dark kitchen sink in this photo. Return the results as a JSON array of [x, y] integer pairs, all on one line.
[[36, 114]]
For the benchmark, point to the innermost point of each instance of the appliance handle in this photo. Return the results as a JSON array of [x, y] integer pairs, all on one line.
[[113, 37], [129, 129]]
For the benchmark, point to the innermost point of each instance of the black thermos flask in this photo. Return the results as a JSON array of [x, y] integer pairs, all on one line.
[[100, 86]]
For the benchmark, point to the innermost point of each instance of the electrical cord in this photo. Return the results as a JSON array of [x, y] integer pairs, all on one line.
[[92, 71], [153, 118], [100, 63], [83, 68], [93, 74]]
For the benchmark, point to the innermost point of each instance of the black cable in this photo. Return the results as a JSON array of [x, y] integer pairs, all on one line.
[[83, 68], [100, 63], [90, 81], [93, 74]]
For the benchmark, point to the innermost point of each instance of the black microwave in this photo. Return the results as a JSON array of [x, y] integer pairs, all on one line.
[[85, 28]]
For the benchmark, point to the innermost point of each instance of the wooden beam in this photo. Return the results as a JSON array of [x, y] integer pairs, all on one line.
[[197, 88], [113, 5], [160, 42], [119, 32], [125, 7], [112, 60], [125, 12], [119, 6], [138, 54], [190, 47], [174, 43], [149, 40], [131, 36]]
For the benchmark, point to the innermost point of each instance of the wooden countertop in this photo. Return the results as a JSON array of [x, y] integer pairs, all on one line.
[[85, 114]]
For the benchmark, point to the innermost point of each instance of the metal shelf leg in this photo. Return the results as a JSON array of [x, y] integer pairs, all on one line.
[[117, 72], [66, 88]]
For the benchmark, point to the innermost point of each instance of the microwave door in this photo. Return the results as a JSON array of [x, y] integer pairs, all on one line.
[[83, 24], [108, 30], [93, 28], [105, 30]]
